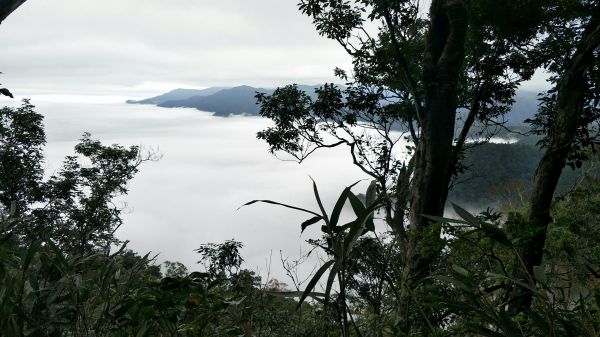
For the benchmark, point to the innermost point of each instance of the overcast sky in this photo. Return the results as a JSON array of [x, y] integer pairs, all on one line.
[[146, 46]]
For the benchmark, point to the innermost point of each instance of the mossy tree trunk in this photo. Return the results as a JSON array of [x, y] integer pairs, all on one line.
[[562, 133]]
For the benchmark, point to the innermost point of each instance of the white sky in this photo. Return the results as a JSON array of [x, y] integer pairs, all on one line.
[[138, 48], [150, 46]]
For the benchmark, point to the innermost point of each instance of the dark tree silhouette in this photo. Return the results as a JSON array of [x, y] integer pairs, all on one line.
[[9, 6]]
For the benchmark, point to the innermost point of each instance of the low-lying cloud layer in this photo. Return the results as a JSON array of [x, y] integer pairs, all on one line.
[[210, 167]]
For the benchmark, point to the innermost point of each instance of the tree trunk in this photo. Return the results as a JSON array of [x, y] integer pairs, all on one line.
[[9, 6], [442, 62], [443, 59], [571, 98]]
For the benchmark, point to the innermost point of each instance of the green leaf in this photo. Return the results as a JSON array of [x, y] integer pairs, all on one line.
[[492, 231], [143, 329], [310, 221], [451, 280], [30, 331], [496, 234], [540, 322], [359, 208], [336, 269], [30, 254], [443, 220], [356, 229], [279, 204], [468, 217], [59, 260], [56, 292], [460, 270], [533, 289], [339, 205], [291, 294], [316, 190], [540, 274], [313, 282]]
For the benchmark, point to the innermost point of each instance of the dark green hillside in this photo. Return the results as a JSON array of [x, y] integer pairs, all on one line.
[[497, 172], [237, 100], [222, 101]]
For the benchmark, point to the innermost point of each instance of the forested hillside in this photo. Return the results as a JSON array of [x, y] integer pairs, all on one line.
[[499, 175]]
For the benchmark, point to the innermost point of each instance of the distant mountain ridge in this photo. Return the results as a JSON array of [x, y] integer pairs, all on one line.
[[178, 94], [231, 101], [222, 101], [240, 100]]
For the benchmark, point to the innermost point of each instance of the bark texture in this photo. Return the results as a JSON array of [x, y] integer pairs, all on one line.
[[442, 64], [443, 60], [562, 133]]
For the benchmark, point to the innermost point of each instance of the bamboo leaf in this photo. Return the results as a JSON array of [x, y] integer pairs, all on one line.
[[443, 220], [339, 205], [491, 230], [496, 234], [533, 289], [59, 260], [359, 208], [336, 269], [310, 221], [143, 329], [316, 191], [292, 294], [30, 254], [465, 215], [460, 270], [279, 204], [357, 228], [310, 286]]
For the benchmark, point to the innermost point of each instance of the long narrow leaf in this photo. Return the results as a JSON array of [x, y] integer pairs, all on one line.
[[444, 220], [292, 294], [357, 228], [309, 222], [357, 205], [279, 204], [359, 208], [496, 234], [33, 249], [316, 190], [59, 261], [339, 205], [313, 282], [337, 267], [465, 215]]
